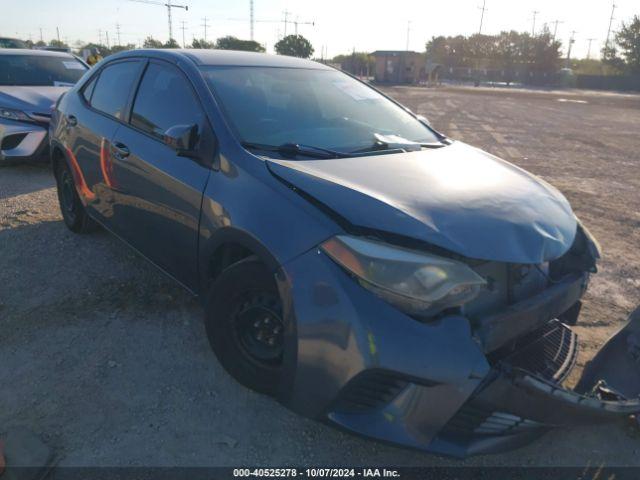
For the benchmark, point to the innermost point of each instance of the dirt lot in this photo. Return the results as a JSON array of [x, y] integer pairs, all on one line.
[[107, 360]]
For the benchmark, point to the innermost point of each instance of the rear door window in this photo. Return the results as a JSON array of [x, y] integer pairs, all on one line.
[[165, 99], [112, 90]]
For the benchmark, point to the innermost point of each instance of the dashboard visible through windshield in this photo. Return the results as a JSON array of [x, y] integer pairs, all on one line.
[[36, 70], [323, 108]]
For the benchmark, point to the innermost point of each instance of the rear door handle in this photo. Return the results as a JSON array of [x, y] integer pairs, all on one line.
[[120, 150], [72, 121]]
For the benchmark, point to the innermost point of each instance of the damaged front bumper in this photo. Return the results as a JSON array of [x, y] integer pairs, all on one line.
[[448, 386], [522, 397]]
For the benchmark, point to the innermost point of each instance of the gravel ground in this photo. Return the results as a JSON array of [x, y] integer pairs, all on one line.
[[107, 360]]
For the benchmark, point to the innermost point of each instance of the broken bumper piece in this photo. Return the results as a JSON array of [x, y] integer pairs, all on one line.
[[522, 397]]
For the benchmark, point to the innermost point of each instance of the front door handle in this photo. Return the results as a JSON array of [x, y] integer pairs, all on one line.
[[120, 150]]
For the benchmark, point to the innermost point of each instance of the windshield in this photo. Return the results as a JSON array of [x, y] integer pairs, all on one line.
[[323, 108], [40, 70]]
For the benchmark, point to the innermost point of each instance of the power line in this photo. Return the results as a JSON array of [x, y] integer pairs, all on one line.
[[169, 6], [589, 49], [251, 19], [555, 28], [571, 42], [183, 28], [118, 33], [613, 9], [533, 27], [484, 3], [205, 25]]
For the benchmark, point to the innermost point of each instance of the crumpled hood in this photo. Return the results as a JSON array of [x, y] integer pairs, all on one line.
[[31, 99], [456, 197]]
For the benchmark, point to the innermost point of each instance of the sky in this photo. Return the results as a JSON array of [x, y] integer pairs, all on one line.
[[339, 26]]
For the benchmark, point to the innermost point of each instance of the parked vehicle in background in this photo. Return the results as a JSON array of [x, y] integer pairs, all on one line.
[[31, 81], [12, 43], [49, 48], [354, 263]]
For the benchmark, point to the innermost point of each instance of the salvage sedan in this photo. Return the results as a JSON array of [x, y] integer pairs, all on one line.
[[353, 262], [31, 82]]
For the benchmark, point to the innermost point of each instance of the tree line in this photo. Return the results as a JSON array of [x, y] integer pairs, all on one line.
[[508, 51], [292, 45]]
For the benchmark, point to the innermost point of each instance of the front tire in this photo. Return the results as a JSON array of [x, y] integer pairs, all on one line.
[[244, 325], [73, 212]]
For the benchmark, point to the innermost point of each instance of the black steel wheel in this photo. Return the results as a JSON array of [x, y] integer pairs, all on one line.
[[73, 213], [243, 318]]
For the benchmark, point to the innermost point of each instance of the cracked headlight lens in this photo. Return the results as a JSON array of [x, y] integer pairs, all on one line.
[[417, 283]]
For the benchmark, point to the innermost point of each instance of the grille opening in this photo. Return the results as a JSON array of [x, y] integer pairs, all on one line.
[[369, 390], [12, 141], [474, 419], [548, 352]]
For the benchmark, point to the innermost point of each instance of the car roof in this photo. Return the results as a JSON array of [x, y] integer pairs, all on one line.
[[40, 53], [228, 58]]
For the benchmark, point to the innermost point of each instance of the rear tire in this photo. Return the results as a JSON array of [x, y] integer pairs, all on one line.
[[243, 319], [73, 212]]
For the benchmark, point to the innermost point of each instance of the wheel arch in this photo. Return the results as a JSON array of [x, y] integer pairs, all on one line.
[[226, 246], [212, 263]]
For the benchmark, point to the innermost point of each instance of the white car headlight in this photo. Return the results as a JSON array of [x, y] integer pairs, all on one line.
[[418, 283], [14, 115]]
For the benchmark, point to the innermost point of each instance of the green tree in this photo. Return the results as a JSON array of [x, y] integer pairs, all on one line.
[[200, 43], [233, 43], [628, 40], [358, 63], [151, 42], [120, 48], [40, 43], [294, 46], [58, 44], [171, 43]]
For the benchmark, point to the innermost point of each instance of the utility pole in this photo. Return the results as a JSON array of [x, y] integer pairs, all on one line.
[[571, 42], [533, 27], [169, 6], [41, 35], [99, 37], [589, 49], [555, 28], [107, 34], [286, 20], [408, 33], [184, 45], [58, 34], [205, 25], [484, 3], [118, 33], [613, 9], [297, 22], [251, 19]]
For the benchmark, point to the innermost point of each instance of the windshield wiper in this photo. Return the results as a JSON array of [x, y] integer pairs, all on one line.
[[293, 149]]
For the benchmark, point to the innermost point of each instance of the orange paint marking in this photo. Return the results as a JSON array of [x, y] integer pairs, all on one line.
[[81, 185], [105, 164]]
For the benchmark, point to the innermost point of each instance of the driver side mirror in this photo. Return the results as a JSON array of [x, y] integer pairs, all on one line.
[[183, 139]]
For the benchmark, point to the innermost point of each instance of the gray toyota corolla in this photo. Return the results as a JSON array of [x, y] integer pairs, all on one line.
[[354, 263]]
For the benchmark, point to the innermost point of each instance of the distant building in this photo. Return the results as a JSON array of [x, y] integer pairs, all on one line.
[[399, 66]]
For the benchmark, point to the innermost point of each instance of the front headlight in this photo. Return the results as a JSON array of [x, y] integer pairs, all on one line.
[[11, 114], [417, 283]]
